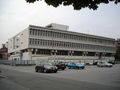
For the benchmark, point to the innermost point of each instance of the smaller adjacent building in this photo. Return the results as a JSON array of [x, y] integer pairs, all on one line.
[[4, 52]]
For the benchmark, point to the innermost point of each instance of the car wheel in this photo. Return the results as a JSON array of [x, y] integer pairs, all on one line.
[[40, 70], [55, 71], [78, 67], [36, 70], [44, 70], [63, 68], [82, 67], [69, 67], [110, 66]]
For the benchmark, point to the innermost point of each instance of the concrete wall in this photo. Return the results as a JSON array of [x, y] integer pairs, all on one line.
[[24, 39], [26, 56], [10, 45], [18, 42]]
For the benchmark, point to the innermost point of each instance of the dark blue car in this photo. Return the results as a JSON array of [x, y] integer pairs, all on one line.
[[76, 66]]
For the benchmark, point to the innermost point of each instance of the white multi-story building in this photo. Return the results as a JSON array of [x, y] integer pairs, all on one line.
[[55, 41]]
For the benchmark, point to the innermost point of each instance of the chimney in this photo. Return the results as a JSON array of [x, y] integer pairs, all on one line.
[[3, 46]]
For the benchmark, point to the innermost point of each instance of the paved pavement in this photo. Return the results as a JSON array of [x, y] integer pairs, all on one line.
[[91, 75], [16, 80], [6, 84]]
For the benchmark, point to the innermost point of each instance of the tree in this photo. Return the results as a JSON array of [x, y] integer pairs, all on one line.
[[117, 55], [77, 4]]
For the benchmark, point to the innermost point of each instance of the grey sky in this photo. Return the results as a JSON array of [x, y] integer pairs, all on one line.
[[16, 15]]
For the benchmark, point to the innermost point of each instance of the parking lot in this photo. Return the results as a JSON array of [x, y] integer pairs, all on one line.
[[92, 74]]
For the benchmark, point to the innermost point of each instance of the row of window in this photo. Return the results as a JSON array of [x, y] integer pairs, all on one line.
[[65, 52], [61, 44], [53, 34], [42, 51]]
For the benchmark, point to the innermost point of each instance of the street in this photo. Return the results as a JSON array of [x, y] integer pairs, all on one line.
[[23, 79]]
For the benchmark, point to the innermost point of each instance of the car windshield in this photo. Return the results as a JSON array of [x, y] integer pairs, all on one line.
[[47, 64], [103, 62], [71, 63], [106, 62], [77, 63]]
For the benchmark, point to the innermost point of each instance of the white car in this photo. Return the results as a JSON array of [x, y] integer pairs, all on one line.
[[104, 64]]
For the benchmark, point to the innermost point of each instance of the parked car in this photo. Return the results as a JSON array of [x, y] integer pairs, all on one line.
[[60, 65], [104, 64], [111, 61], [46, 67], [75, 66], [95, 63], [88, 63], [66, 63]]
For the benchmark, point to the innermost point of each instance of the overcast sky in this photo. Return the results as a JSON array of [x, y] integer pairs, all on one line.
[[16, 15]]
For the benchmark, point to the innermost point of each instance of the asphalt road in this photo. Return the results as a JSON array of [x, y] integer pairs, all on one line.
[[17, 80]]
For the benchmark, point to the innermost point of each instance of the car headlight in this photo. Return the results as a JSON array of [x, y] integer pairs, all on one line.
[[56, 67]]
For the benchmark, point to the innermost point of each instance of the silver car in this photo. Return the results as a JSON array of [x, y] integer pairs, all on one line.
[[104, 64]]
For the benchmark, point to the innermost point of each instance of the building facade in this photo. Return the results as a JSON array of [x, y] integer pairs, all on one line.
[[55, 41]]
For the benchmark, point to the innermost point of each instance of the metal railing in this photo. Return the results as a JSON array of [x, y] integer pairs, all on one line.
[[34, 62], [18, 62]]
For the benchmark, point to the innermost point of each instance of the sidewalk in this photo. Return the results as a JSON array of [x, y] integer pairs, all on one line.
[[6, 84], [19, 68]]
